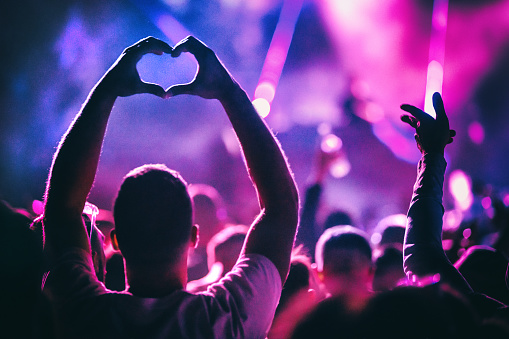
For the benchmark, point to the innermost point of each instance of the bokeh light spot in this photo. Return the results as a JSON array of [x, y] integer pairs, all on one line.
[[262, 106], [476, 132]]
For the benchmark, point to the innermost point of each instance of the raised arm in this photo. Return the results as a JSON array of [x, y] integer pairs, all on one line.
[[423, 253], [272, 233], [75, 162]]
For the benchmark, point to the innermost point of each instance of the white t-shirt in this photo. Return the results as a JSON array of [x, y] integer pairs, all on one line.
[[240, 305]]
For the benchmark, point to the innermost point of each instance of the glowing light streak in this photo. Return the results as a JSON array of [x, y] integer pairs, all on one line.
[[277, 53], [158, 14], [435, 77]]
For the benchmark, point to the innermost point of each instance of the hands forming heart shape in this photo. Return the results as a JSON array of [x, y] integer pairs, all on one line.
[[211, 81]]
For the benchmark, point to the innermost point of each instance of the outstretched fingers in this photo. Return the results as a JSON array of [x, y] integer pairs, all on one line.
[[438, 104], [416, 112], [409, 120], [189, 44], [148, 45]]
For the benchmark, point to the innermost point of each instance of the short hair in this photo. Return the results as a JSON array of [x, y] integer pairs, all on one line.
[[153, 215], [351, 242]]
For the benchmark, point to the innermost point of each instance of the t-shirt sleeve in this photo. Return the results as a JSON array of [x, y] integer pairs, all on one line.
[[244, 301], [72, 279]]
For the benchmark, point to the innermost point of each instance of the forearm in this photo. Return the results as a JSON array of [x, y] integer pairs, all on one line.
[[75, 162], [273, 232], [423, 251], [265, 160]]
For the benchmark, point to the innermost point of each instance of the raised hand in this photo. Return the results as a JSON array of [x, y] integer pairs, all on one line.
[[211, 81], [431, 135], [123, 79]]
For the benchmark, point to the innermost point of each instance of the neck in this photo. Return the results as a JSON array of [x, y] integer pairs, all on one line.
[[149, 281]]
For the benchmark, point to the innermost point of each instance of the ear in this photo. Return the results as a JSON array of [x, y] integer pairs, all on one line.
[[113, 237], [195, 236], [317, 273]]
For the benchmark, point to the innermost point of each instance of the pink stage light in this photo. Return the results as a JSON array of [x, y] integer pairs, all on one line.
[[435, 77], [276, 55]]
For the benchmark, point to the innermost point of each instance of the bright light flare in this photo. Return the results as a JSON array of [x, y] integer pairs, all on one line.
[[460, 187], [331, 143], [340, 168], [265, 90], [262, 106], [433, 84], [276, 56]]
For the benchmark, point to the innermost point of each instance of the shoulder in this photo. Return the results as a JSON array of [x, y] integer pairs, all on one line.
[[72, 276], [246, 298]]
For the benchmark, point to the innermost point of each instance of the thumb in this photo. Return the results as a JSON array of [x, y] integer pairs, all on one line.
[[180, 89], [146, 87]]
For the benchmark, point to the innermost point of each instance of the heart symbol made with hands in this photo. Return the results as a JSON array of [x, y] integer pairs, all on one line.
[[211, 80], [165, 70]]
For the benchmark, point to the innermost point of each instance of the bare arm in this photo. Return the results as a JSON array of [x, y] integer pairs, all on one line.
[[75, 162], [422, 252], [272, 233]]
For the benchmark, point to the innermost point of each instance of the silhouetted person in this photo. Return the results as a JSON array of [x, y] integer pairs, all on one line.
[[422, 250], [20, 277], [210, 214], [153, 221]]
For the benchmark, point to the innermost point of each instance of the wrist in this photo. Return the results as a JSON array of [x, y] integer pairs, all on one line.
[[232, 93]]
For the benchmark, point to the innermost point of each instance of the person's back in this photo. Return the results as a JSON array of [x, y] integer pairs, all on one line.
[[154, 227]]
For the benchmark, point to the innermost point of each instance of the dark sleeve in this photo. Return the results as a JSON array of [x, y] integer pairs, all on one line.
[[307, 233], [423, 253]]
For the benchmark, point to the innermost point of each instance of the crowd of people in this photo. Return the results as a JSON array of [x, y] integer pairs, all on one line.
[[169, 264]]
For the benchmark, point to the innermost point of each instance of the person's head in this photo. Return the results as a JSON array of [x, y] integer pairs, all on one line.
[[153, 217], [209, 211], [433, 311], [390, 231], [337, 217], [299, 277], [485, 270], [344, 260], [388, 269], [225, 246]]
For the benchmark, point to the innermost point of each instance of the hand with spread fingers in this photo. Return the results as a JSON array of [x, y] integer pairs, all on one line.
[[123, 78], [211, 81], [431, 135]]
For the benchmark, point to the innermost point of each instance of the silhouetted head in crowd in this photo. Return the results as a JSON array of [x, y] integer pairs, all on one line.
[[153, 221], [485, 270], [298, 278], [433, 311], [390, 231], [223, 250], [225, 246], [330, 319], [344, 262], [388, 269], [20, 262], [209, 211], [337, 218]]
